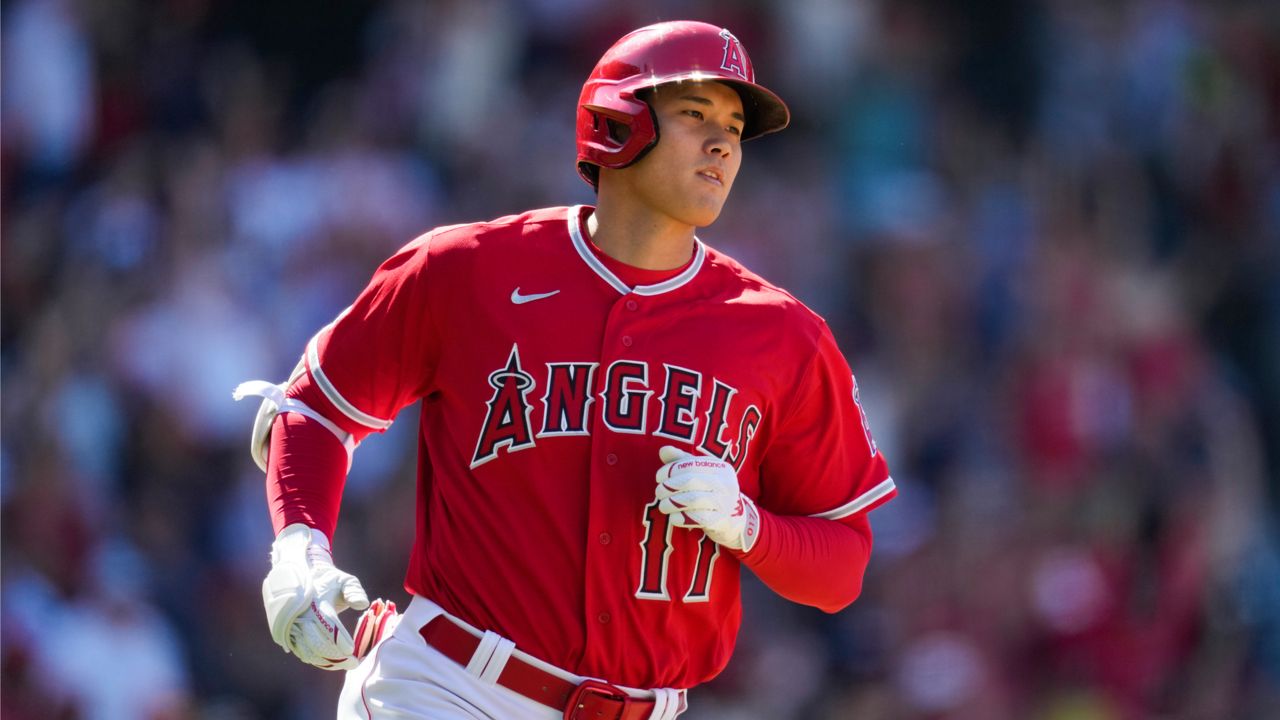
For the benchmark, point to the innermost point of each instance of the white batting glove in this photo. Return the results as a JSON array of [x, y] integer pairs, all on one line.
[[303, 595], [700, 491]]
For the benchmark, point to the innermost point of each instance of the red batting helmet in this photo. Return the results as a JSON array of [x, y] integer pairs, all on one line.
[[655, 55]]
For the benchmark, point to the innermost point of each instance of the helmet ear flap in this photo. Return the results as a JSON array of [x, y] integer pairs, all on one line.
[[619, 138], [611, 128]]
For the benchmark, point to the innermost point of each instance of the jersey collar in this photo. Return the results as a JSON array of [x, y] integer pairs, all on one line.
[[580, 244]]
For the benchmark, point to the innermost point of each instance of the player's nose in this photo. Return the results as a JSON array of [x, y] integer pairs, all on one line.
[[720, 143]]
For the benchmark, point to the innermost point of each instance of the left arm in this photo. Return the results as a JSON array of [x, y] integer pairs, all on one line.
[[812, 561], [823, 472], [809, 560]]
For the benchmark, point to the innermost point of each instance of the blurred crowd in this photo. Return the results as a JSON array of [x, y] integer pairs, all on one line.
[[1046, 234]]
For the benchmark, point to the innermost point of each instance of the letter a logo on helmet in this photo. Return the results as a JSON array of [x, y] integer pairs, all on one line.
[[616, 126], [733, 56]]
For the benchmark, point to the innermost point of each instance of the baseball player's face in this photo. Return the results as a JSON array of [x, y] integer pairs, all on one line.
[[688, 174]]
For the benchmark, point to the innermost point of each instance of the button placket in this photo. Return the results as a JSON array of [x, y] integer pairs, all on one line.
[[617, 338]]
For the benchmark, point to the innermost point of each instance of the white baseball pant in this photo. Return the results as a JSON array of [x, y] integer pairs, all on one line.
[[404, 678]]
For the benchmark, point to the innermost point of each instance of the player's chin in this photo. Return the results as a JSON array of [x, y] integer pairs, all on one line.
[[704, 211]]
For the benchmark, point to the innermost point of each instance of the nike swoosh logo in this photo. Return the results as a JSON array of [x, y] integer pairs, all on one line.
[[519, 299]]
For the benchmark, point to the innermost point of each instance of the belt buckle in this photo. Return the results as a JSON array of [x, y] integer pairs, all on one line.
[[594, 696]]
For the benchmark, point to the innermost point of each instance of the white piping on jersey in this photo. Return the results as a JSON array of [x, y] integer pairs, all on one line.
[[331, 392], [584, 252], [859, 503]]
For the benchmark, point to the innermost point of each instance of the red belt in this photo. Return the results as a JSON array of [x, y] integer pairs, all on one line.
[[590, 700]]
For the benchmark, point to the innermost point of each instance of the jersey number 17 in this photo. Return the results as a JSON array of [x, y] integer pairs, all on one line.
[[655, 551]]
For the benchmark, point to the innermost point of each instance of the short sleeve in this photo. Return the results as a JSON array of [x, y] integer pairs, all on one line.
[[381, 353], [823, 461]]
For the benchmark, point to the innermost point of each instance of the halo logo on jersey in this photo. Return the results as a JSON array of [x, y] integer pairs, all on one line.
[[733, 56], [507, 422]]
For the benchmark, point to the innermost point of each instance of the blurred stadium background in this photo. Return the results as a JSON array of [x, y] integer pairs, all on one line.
[[1046, 233]]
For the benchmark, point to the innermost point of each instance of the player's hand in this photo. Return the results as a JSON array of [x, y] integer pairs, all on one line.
[[700, 491], [303, 595]]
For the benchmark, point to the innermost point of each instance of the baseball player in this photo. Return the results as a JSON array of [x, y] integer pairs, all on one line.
[[615, 419]]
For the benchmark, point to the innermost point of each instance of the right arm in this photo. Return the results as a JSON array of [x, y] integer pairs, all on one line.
[[374, 359]]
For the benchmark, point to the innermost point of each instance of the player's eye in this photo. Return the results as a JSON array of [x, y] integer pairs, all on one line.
[[694, 114], [734, 129]]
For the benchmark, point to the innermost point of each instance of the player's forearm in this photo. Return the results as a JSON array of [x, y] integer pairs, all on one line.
[[811, 561], [306, 470]]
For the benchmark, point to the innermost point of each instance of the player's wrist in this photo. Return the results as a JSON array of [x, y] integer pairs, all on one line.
[[759, 545], [302, 544], [750, 534]]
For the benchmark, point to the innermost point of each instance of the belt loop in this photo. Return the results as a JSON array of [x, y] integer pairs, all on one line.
[[480, 658], [498, 660], [668, 703]]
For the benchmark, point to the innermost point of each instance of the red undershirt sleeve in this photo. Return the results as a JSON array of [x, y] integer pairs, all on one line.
[[306, 471], [813, 561]]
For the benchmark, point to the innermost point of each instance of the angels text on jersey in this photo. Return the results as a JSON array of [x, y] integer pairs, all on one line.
[[570, 395]]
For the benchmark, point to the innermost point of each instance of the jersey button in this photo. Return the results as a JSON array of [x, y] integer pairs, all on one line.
[[626, 340], [605, 538], [604, 618], [611, 459], [632, 304]]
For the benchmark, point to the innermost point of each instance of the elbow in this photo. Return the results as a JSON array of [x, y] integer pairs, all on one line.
[[848, 585], [845, 592]]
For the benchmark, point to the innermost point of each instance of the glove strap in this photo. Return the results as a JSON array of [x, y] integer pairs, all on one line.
[[301, 544], [751, 531]]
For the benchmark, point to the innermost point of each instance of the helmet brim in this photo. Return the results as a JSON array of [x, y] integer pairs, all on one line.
[[764, 110], [767, 114]]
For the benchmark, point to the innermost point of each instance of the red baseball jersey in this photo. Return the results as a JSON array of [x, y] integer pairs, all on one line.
[[548, 386]]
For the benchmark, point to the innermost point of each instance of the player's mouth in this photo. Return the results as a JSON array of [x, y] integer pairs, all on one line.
[[712, 175]]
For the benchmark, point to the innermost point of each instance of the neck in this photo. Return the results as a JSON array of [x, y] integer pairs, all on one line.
[[641, 239]]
